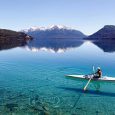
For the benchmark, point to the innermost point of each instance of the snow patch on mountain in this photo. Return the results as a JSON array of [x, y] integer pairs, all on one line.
[[36, 28]]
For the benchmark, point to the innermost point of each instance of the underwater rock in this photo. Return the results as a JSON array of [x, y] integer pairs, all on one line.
[[35, 101], [37, 108], [46, 113], [45, 108], [11, 106]]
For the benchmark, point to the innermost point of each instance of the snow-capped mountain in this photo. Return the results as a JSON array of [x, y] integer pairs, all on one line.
[[36, 28], [54, 31]]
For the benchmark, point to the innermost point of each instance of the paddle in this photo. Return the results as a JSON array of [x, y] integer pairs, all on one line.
[[88, 80]]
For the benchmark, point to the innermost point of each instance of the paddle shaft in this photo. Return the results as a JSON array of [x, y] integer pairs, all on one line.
[[89, 80], [87, 84]]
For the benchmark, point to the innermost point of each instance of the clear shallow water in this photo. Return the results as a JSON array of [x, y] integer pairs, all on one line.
[[33, 83]]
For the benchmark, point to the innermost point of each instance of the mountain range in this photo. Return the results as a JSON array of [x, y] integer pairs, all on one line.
[[55, 31], [58, 31], [105, 33]]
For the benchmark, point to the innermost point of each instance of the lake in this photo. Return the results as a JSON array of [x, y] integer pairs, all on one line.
[[33, 82]]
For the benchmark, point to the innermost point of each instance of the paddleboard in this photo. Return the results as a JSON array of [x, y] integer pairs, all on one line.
[[87, 77]]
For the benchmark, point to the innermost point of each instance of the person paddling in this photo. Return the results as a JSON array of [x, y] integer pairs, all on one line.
[[98, 73]]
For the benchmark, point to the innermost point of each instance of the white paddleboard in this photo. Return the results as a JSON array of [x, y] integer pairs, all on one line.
[[87, 77]]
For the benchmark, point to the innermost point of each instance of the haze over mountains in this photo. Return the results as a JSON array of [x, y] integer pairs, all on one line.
[[55, 31]]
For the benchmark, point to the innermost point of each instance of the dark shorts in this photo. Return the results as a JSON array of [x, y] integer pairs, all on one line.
[[96, 77]]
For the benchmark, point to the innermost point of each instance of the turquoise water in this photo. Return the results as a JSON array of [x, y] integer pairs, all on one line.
[[33, 83]]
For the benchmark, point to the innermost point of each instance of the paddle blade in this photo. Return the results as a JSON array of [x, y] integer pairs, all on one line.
[[93, 69], [87, 84]]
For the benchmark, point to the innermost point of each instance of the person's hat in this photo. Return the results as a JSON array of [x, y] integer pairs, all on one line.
[[98, 68]]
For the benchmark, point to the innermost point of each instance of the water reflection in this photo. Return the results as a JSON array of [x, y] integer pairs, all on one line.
[[61, 45], [106, 46], [54, 45], [4, 46], [58, 45]]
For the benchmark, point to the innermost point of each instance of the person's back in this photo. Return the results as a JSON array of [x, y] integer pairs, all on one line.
[[98, 74]]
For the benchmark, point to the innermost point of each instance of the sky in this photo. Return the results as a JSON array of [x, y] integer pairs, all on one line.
[[88, 16]]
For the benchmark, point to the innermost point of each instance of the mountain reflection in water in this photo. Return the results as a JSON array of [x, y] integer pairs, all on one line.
[[106, 46], [61, 45], [54, 45]]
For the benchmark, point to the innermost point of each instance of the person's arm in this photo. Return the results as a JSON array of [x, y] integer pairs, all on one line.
[[100, 73]]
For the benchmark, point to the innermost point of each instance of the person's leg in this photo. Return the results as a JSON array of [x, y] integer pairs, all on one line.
[[96, 77]]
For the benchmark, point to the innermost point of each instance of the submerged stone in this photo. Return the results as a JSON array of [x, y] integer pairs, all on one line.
[[45, 108], [11, 106]]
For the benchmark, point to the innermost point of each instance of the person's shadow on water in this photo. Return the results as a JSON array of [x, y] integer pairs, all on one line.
[[79, 90]]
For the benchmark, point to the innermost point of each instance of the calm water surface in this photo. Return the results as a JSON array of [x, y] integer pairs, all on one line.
[[32, 80]]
